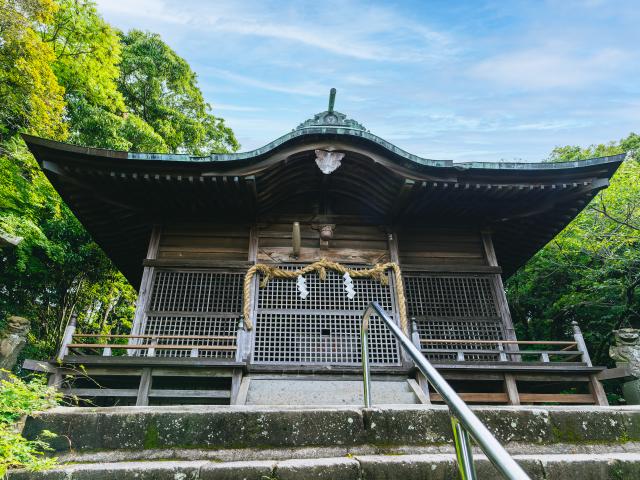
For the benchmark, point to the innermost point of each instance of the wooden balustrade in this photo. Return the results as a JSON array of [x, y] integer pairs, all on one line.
[[192, 343], [562, 350]]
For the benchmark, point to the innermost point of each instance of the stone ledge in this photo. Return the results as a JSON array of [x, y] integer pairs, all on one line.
[[374, 467], [208, 428], [271, 454]]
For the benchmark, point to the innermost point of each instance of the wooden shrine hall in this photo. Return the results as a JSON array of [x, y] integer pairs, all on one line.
[[254, 270]]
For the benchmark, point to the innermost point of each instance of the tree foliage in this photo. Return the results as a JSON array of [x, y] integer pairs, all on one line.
[[590, 272], [62, 77], [32, 98], [17, 399], [160, 87]]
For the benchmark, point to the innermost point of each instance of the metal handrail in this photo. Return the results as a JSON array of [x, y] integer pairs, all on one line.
[[464, 422]]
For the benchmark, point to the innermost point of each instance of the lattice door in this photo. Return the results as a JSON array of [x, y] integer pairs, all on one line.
[[194, 303], [454, 307], [324, 328]]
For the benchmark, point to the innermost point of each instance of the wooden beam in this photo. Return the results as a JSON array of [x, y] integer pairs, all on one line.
[[556, 398], [158, 337], [502, 342], [595, 387], [100, 392], [498, 286], [511, 389], [243, 391], [142, 398], [151, 347], [401, 200], [253, 244], [179, 393], [419, 392], [146, 284], [612, 373], [476, 397], [236, 381]]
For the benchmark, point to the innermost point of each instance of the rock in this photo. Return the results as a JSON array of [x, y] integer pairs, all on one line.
[[12, 341]]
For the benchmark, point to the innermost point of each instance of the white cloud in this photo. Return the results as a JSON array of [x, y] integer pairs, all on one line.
[[236, 108], [549, 68], [352, 29], [308, 89]]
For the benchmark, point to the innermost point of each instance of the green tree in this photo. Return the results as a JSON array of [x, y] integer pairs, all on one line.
[[160, 88], [590, 272], [87, 53], [57, 270], [32, 99], [60, 78], [96, 126]]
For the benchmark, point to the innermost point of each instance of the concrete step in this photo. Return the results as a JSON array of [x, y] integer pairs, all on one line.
[[618, 466], [208, 428], [310, 391]]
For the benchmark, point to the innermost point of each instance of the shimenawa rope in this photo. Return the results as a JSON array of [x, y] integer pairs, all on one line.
[[321, 266]]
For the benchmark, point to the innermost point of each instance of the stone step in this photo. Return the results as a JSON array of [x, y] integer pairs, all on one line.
[[376, 467], [310, 391], [127, 429]]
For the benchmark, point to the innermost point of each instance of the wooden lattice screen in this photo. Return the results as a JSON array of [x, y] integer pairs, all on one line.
[[194, 303], [324, 328], [454, 307]]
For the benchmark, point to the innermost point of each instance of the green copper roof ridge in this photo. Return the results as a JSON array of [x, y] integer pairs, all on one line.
[[303, 130], [322, 130]]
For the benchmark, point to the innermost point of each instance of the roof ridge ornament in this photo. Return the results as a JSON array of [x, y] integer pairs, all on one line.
[[332, 99], [331, 118]]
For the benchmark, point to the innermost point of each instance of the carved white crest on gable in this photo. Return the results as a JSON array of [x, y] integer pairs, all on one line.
[[328, 162]]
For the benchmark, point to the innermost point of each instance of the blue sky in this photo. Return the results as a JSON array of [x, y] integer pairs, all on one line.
[[462, 80]]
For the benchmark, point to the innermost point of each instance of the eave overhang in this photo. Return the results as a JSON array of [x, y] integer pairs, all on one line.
[[119, 196]]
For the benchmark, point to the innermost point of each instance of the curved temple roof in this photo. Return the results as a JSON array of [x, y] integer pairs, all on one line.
[[119, 195]]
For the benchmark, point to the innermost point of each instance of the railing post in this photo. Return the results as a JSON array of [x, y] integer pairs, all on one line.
[[240, 341], [463, 450], [502, 355], [364, 342], [151, 352], [67, 337], [582, 346], [415, 334]]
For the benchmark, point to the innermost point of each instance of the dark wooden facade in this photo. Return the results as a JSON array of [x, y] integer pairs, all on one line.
[[187, 229]]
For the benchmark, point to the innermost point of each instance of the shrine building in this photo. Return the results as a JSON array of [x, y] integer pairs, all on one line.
[[254, 269]]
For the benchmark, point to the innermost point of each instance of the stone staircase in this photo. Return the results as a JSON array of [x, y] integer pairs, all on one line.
[[325, 390], [337, 443]]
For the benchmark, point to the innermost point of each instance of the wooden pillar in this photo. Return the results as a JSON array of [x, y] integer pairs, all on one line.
[[145, 288], [394, 253], [511, 389], [67, 337], [236, 381], [142, 399], [595, 387], [244, 339], [498, 287], [55, 378]]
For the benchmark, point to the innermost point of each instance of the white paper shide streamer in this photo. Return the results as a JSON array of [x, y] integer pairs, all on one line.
[[302, 287], [348, 286]]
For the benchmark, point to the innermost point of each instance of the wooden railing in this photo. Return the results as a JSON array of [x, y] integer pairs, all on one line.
[[508, 350], [149, 344]]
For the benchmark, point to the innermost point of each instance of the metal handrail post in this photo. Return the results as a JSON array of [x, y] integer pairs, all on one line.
[[366, 373], [464, 454], [494, 451]]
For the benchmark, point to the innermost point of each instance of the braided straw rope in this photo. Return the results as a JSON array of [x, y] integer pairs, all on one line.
[[377, 272]]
